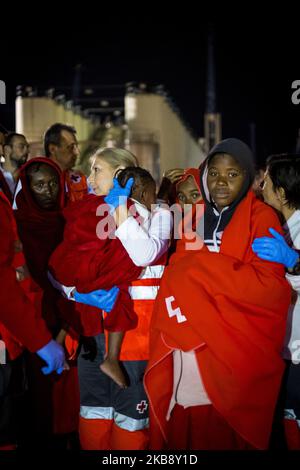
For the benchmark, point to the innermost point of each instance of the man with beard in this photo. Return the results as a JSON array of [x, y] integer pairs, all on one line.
[[3, 184], [16, 150], [2, 141]]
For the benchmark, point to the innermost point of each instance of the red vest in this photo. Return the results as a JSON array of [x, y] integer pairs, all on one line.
[[76, 184], [143, 292]]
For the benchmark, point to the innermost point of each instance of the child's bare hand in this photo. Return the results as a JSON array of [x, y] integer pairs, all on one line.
[[166, 191], [174, 174], [61, 336]]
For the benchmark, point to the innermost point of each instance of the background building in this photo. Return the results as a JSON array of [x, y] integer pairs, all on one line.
[[144, 120]]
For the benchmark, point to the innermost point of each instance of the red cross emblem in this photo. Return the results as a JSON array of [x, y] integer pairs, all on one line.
[[141, 407], [75, 178]]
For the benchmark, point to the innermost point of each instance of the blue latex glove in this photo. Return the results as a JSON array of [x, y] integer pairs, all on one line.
[[103, 299], [117, 196], [54, 356], [275, 249]]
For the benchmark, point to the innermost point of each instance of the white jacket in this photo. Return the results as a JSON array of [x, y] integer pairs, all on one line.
[[146, 242], [292, 339]]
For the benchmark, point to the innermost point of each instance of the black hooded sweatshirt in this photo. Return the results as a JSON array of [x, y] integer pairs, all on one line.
[[215, 222]]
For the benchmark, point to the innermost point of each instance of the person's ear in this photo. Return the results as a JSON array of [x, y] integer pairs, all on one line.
[[142, 196], [7, 151], [52, 149], [281, 195]]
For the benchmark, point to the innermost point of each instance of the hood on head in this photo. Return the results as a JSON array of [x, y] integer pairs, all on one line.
[[241, 153], [23, 189], [194, 172]]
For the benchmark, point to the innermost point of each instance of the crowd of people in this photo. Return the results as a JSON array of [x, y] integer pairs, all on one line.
[[136, 317]]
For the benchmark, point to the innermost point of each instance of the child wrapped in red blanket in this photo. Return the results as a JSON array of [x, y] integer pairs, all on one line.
[[92, 258]]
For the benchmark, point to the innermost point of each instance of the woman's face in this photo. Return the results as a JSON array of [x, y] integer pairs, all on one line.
[[225, 179], [188, 192], [101, 177], [44, 186], [270, 195]]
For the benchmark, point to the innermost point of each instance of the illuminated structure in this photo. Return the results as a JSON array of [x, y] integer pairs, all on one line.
[[144, 120], [212, 119]]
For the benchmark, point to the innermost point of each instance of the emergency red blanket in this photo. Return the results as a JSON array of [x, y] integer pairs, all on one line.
[[4, 187], [40, 232], [17, 313], [230, 308], [91, 258]]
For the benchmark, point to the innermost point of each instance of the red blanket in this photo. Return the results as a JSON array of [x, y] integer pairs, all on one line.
[[17, 313], [55, 398], [233, 309], [40, 232], [88, 262], [4, 187]]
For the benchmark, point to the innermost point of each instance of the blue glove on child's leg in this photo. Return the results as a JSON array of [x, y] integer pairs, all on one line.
[[102, 299]]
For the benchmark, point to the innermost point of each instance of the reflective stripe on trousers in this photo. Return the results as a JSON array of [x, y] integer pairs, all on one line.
[[124, 422]]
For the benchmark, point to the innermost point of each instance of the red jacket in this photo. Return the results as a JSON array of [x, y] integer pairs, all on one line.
[[4, 187], [17, 313], [40, 232], [76, 184], [233, 309]]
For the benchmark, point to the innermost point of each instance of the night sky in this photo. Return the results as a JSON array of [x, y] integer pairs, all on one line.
[[255, 66]]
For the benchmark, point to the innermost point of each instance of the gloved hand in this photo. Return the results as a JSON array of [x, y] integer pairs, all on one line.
[[117, 196], [275, 249], [103, 299], [54, 356]]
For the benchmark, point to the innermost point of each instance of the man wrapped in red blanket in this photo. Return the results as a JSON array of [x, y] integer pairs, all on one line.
[[54, 400]]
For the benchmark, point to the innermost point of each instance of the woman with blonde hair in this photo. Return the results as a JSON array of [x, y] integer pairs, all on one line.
[[110, 417]]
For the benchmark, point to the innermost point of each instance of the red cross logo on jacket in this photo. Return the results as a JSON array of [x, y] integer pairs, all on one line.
[[142, 407]]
